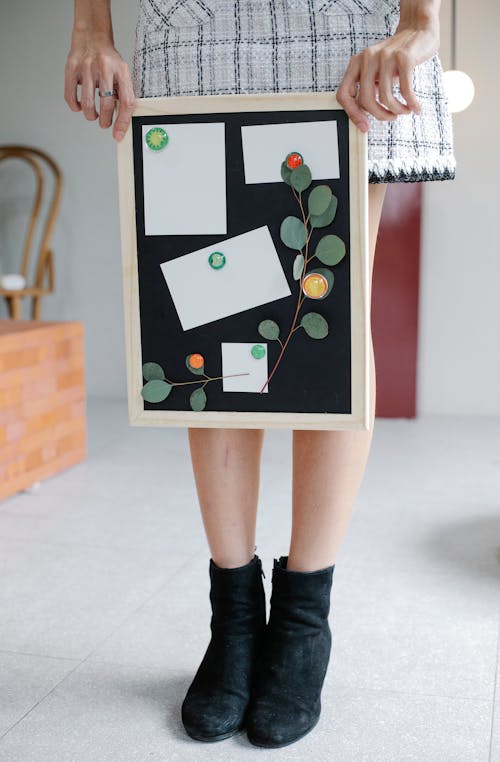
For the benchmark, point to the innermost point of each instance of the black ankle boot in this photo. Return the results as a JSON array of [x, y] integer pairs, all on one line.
[[217, 699], [285, 702]]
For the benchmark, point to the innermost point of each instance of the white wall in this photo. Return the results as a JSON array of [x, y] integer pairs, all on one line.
[[34, 42], [459, 348], [460, 263]]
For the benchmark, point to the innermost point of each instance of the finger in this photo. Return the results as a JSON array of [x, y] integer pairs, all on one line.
[[347, 92], [368, 90], [107, 103], [88, 96], [405, 71], [126, 103], [70, 90], [386, 91]]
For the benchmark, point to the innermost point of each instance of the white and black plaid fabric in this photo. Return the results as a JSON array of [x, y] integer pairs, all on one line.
[[214, 47]]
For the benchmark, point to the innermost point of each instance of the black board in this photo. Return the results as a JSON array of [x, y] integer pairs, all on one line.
[[314, 376]]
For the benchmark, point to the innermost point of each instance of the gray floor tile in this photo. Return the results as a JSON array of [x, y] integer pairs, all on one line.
[[495, 734], [495, 729], [161, 523], [397, 727], [171, 630], [25, 681], [108, 561], [421, 633], [110, 712], [62, 600]]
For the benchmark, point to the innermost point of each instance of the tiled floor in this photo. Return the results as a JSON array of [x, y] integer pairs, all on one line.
[[104, 606]]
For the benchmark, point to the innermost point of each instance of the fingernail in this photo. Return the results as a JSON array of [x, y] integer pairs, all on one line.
[[363, 126], [120, 135]]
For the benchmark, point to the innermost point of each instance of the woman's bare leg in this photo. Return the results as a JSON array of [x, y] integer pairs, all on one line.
[[328, 466], [226, 465]]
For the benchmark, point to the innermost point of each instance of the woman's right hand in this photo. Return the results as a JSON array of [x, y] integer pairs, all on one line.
[[93, 62]]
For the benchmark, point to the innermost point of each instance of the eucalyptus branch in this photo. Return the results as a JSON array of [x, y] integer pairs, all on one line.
[[158, 387], [300, 299], [209, 378], [296, 234]]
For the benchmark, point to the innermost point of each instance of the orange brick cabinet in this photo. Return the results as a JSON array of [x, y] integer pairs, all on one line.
[[43, 427]]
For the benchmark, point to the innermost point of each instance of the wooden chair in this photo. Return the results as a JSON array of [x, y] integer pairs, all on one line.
[[41, 164]]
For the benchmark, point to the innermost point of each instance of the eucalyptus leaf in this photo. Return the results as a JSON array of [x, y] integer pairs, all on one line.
[[293, 233], [330, 250], [301, 178], [196, 371], [298, 266], [268, 329], [314, 325], [151, 370], [285, 173], [198, 399], [322, 220], [156, 390], [319, 199]]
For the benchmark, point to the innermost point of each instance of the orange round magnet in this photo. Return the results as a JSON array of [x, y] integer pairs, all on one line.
[[196, 361]]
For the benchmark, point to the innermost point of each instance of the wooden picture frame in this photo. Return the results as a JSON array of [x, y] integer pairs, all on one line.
[[254, 108]]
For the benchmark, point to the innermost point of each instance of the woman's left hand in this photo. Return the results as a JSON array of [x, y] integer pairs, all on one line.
[[369, 79]]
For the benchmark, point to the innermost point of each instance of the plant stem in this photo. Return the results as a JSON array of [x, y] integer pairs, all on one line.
[[299, 304], [301, 297], [209, 378], [231, 375]]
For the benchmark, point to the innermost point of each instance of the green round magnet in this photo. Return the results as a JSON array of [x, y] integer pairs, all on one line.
[[258, 351], [156, 138], [217, 260]]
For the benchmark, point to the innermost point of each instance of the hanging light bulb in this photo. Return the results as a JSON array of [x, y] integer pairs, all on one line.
[[458, 86], [459, 89]]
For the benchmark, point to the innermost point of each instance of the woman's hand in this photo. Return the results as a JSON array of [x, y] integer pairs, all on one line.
[[93, 62], [369, 79]]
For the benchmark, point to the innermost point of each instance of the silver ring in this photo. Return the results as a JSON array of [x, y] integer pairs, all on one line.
[[108, 93]]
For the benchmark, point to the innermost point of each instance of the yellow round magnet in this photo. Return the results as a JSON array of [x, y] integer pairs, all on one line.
[[315, 285]]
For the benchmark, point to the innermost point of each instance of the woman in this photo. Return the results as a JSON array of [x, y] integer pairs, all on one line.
[[381, 58]]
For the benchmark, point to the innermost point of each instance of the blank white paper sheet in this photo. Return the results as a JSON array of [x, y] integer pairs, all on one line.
[[265, 147], [185, 182], [238, 358], [251, 276]]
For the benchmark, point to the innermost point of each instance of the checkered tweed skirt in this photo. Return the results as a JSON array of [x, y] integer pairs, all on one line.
[[215, 47]]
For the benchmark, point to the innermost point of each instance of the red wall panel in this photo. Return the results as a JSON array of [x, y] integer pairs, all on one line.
[[395, 292]]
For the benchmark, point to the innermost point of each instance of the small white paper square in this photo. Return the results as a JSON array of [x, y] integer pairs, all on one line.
[[238, 358], [265, 147], [252, 275], [185, 182]]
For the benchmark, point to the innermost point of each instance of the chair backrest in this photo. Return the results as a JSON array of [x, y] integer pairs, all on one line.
[[40, 162]]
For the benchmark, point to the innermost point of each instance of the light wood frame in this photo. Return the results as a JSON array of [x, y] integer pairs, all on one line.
[[359, 418]]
